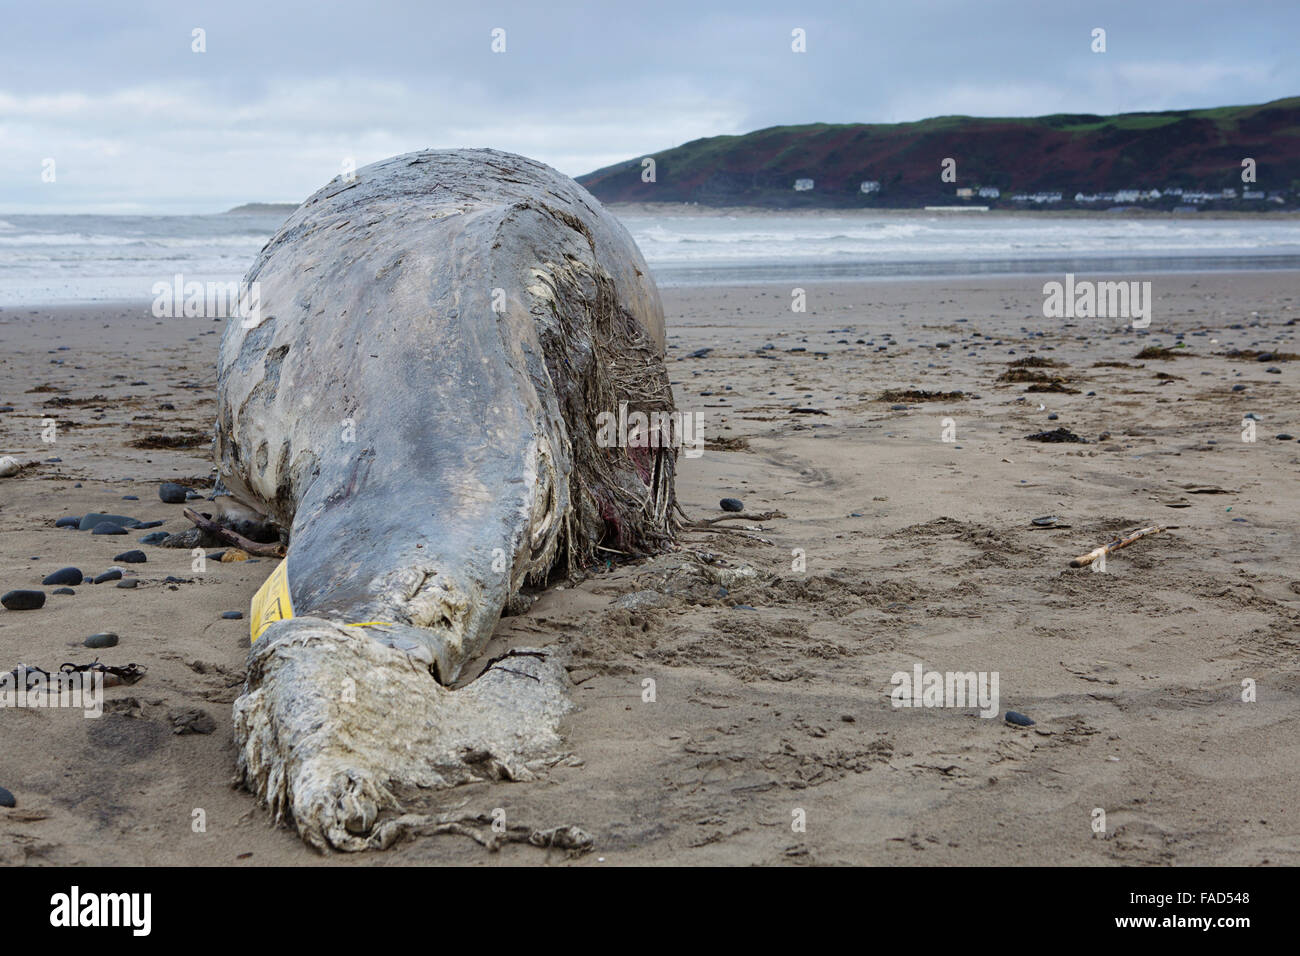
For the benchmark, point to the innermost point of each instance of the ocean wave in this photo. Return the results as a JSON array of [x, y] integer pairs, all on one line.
[[727, 240], [873, 233]]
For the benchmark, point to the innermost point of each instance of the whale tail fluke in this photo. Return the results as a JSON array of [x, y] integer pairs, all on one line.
[[333, 722]]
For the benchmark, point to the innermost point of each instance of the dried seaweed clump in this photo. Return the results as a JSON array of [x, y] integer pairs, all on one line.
[[600, 357]]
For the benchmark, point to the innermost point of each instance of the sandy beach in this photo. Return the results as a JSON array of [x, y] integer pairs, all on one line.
[[905, 538]]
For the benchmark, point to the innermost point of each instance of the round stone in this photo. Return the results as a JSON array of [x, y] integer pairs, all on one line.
[[23, 600]]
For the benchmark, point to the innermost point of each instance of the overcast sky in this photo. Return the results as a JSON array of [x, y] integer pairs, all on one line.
[[285, 93]]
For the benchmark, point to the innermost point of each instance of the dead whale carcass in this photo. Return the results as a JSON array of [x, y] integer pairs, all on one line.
[[415, 396]]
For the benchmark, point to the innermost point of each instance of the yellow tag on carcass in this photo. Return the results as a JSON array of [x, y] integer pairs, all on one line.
[[271, 603]]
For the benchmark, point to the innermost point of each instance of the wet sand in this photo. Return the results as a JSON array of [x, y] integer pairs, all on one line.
[[772, 694]]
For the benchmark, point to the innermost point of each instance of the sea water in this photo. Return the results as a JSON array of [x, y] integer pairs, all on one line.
[[86, 258]]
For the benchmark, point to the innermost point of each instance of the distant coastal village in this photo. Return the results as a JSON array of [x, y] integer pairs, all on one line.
[[1171, 198]]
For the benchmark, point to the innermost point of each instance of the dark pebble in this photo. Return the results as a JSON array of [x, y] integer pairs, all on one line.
[[1284, 437], [172, 579], [1053, 417], [128, 584], [101, 640], [23, 600], [1019, 719], [1239, 388], [90, 521], [131, 557], [7, 798], [731, 504], [114, 575], [172, 493], [130, 497], [64, 590], [153, 538], [141, 525], [71, 521], [233, 615], [63, 576], [107, 527]]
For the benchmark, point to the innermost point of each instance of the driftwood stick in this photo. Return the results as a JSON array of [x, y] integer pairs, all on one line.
[[741, 516], [1084, 560], [205, 523], [735, 531]]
